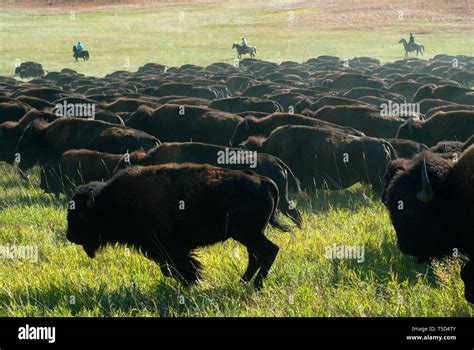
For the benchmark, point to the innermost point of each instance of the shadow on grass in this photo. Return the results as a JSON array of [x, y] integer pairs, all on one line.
[[325, 200], [386, 260], [165, 299], [28, 198]]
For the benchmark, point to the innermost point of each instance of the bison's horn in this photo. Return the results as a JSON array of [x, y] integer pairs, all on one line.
[[426, 193]]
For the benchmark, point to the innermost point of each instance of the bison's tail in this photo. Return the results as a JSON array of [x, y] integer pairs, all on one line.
[[294, 183], [274, 221]]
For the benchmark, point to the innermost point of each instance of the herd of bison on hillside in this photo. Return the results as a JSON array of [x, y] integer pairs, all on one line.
[[144, 170]]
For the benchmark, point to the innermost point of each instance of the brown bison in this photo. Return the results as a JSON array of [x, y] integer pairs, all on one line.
[[242, 104], [407, 148], [167, 211], [230, 158], [328, 159], [251, 126], [45, 143], [81, 166], [369, 120], [452, 146], [431, 207], [12, 111], [446, 92], [182, 123], [456, 125], [10, 132]]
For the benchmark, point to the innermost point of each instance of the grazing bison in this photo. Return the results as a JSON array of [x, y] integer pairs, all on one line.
[[407, 148], [167, 211], [183, 123], [12, 111], [10, 132], [45, 143], [445, 92], [369, 120], [328, 159], [452, 146], [242, 104], [251, 126], [238, 159], [81, 166], [448, 108], [455, 125], [431, 185]]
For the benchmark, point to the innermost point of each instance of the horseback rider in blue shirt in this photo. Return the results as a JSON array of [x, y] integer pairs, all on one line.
[[79, 46]]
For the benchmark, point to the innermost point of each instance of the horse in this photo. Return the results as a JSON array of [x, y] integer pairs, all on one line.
[[244, 50], [84, 54], [416, 46]]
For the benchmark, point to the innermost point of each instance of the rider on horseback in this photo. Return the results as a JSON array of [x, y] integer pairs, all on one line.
[[244, 42], [411, 43], [80, 46]]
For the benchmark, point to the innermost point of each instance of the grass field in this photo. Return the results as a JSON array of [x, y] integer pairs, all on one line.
[[126, 38], [303, 282]]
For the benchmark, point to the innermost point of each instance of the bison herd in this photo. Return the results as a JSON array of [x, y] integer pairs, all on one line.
[[166, 160]]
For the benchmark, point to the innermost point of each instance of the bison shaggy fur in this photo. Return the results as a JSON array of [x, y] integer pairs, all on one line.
[[167, 211], [431, 207]]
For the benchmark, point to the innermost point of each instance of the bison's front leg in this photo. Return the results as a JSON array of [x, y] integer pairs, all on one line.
[[184, 268]]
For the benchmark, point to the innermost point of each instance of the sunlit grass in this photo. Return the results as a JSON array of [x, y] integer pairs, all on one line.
[[125, 39], [303, 282]]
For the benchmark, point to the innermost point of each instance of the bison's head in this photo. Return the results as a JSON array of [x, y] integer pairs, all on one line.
[[422, 207], [426, 91], [31, 145], [8, 140], [410, 130], [140, 119], [242, 131], [395, 166], [82, 224]]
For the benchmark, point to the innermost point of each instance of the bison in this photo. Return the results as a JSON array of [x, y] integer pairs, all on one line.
[[431, 207], [368, 120], [169, 210], [251, 126], [45, 143], [183, 123], [201, 153], [455, 125], [328, 159], [241, 104], [10, 132]]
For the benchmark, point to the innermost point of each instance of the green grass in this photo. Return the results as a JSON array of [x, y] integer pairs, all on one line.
[[126, 39], [302, 282]]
